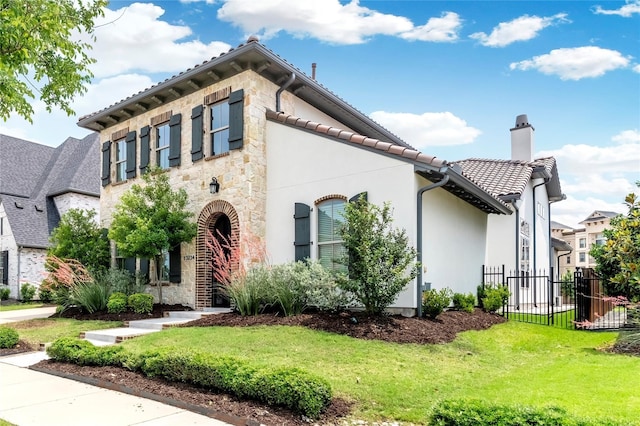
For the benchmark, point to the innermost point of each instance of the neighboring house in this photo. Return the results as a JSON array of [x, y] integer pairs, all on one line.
[[38, 184], [522, 241], [582, 239], [263, 150]]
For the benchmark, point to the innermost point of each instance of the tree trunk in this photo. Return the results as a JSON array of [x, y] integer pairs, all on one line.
[[158, 261]]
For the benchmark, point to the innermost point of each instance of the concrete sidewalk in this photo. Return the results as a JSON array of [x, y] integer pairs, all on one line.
[[26, 314], [29, 397]]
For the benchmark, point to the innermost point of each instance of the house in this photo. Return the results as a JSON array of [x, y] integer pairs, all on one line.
[[521, 242], [38, 184], [264, 150], [582, 239]]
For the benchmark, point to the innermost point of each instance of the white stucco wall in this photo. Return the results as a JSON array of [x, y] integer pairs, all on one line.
[[303, 167], [454, 240], [72, 200], [302, 109]]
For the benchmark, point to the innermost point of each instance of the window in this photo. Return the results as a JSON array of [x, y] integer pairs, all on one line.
[[541, 210], [219, 128], [568, 260], [330, 245], [600, 239], [166, 266], [4, 267], [162, 146], [582, 257], [121, 160], [583, 243], [1, 225], [524, 254]]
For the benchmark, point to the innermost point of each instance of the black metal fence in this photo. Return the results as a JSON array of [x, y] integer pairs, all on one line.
[[580, 303]]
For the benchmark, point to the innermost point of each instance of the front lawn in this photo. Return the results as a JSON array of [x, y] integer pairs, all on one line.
[[512, 363], [19, 306], [45, 330]]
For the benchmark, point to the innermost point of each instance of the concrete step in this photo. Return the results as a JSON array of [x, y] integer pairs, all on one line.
[[158, 323], [115, 335]]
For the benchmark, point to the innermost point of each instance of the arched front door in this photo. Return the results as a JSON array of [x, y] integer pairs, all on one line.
[[221, 230], [217, 218]]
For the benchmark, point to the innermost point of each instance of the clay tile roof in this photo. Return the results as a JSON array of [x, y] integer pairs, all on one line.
[[356, 139], [498, 177]]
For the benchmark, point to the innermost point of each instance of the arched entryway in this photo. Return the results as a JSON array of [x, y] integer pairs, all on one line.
[[221, 220]]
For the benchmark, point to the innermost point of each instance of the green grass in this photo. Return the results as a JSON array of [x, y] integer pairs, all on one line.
[[45, 330], [513, 363], [18, 306], [560, 319]]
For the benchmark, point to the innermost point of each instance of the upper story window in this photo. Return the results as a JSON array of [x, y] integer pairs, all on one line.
[[121, 160], [600, 239], [330, 244], [582, 243], [582, 257], [219, 128], [162, 145]]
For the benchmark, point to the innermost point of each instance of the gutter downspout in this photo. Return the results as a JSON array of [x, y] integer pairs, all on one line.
[[517, 251], [421, 191], [19, 294], [282, 89]]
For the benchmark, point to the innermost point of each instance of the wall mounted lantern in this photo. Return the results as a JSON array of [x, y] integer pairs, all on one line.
[[214, 186]]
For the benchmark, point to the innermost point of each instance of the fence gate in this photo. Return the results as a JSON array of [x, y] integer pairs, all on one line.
[[538, 298]]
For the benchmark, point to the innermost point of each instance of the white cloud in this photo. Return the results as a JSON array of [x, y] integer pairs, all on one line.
[[575, 63], [627, 136], [331, 21], [520, 29], [428, 129], [596, 184], [133, 38], [110, 90], [625, 11], [587, 159], [573, 210], [636, 68], [198, 1], [444, 28]]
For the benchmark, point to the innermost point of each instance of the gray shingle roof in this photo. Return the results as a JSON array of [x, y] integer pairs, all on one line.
[[600, 215], [32, 174]]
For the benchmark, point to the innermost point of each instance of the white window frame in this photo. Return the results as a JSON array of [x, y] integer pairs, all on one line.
[[220, 129], [121, 160], [162, 130], [330, 243]]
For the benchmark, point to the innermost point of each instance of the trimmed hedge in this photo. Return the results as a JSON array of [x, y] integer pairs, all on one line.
[[285, 387], [141, 303], [480, 413], [9, 338], [117, 303]]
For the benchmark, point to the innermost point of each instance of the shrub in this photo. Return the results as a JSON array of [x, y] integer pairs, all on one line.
[[4, 293], [496, 297], [141, 303], [480, 413], [8, 337], [291, 388], [628, 342], [248, 293], [323, 291], [117, 303], [434, 301], [45, 295], [480, 294], [90, 296], [28, 291], [287, 286], [464, 302], [121, 281]]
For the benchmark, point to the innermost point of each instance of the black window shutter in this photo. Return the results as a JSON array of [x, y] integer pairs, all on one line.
[[131, 154], [106, 163], [130, 265], [145, 149], [196, 133], [175, 130], [356, 197], [302, 243], [236, 119], [144, 268], [174, 265], [4, 262]]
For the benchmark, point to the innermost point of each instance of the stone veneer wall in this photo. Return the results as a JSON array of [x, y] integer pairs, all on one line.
[[72, 200], [241, 173]]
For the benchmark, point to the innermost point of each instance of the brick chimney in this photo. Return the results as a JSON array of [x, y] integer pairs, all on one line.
[[522, 139]]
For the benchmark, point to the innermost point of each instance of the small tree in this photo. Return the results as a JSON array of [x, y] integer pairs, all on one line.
[[79, 237], [618, 259], [41, 53], [379, 260], [150, 219]]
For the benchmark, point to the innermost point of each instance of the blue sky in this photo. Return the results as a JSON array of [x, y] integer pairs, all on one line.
[[448, 77]]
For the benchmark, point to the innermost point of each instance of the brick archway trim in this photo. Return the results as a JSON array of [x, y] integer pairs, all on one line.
[[207, 218]]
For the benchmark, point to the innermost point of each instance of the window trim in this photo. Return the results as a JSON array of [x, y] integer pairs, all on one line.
[[219, 130], [166, 148], [333, 242], [121, 151]]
